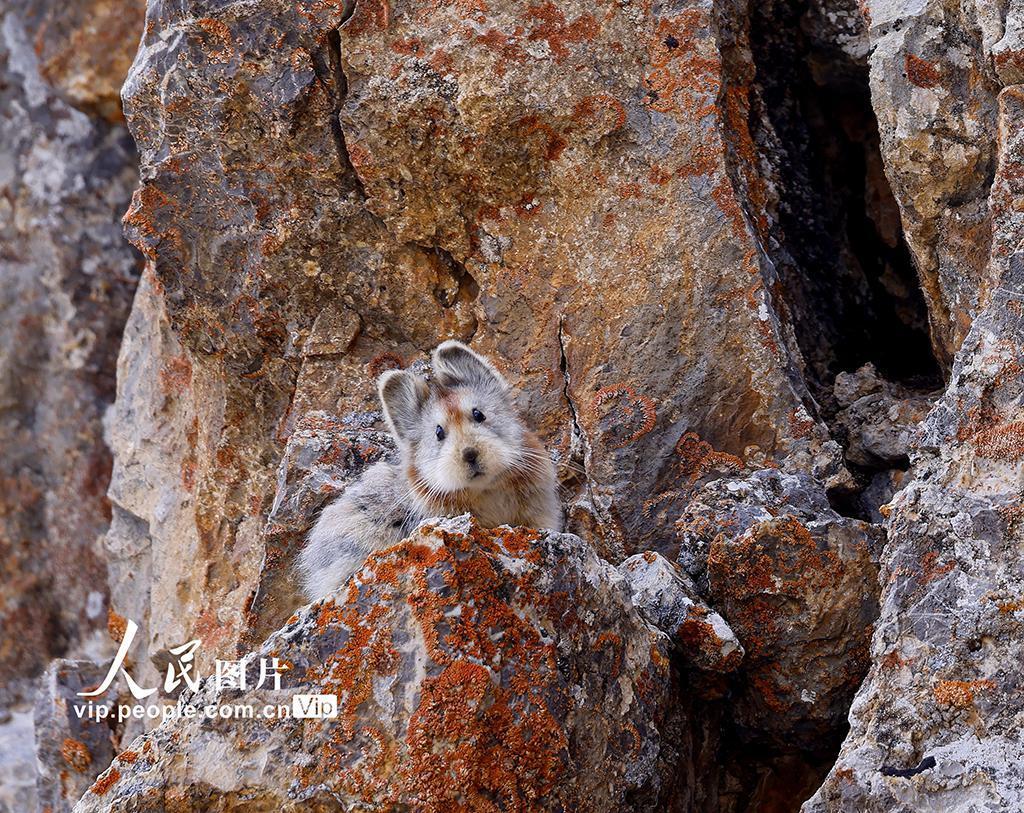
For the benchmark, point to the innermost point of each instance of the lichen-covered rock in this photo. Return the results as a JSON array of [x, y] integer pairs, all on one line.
[[799, 586], [68, 275], [937, 722], [474, 670], [71, 749], [666, 597]]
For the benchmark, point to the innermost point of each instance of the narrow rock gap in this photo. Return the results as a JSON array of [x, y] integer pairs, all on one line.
[[576, 464], [339, 84], [850, 287]]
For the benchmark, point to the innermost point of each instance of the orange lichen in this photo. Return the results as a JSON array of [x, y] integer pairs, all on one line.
[[507, 48], [478, 738], [590, 107], [554, 143], [368, 15], [960, 694], [696, 458], [634, 414], [893, 660], [105, 782], [921, 72], [1001, 442], [175, 375], [385, 361], [931, 570], [116, 626], [552, 27], [1009, 607], [76, 754]]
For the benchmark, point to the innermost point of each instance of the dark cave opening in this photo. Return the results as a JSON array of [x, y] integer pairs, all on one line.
[[849, 285]]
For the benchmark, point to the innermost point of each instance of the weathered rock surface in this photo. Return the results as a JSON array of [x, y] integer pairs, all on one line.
[[475, 670], [878, 418], [933, 89]]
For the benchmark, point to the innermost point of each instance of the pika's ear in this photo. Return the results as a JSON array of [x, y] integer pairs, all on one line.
[[454, 363], [402, 395]]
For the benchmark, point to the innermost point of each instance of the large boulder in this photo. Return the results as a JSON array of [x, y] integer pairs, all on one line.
[[799, 585], [476, 670]]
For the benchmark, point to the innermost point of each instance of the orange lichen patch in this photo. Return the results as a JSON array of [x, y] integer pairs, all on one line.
[[128, 757], [696, 458], [368, 15], [921, 72], [554, 143], [931, 570], [775, 557], [744, 151], [1011, 606], [478, 739], [697, 635], [1010, 61], [105, 782], [383, 362], [892, 660], [800, 424], [407, 46], [552, 27], [116, 626], [470, 743], [215, 28], [211, 630], [76, 754], [175, 375], [507, 48], [844, 774], [1002, 442], [600, 105], [684, 80], [615, 644], [769, 690], [960, 693], [633, 416], [629, 190]]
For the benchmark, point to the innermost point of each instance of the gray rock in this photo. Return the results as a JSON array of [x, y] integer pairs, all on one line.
[[71, 750], [667, 599]]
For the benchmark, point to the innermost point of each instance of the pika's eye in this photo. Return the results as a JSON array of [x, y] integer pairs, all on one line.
[[439, 432], [478, 416]]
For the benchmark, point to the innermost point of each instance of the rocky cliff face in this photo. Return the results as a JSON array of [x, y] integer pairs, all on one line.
[[754, 271]]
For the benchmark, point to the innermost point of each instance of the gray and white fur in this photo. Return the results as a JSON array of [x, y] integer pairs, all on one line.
[[463, 449]]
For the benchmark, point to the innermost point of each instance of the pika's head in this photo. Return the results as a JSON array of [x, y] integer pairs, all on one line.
[[461, 432]]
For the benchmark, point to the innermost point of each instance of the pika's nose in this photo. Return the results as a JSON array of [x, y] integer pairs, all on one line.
[[469, 455]]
